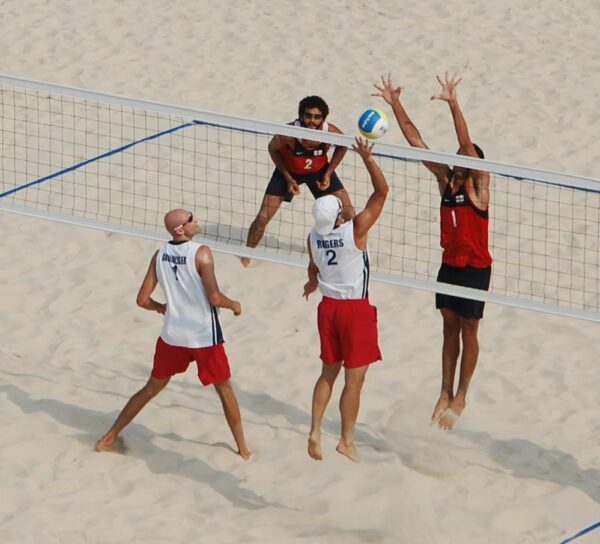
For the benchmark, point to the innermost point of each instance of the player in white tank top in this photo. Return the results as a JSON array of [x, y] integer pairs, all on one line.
[[343, 268], [191, 320], [191, 329], [339, 267]]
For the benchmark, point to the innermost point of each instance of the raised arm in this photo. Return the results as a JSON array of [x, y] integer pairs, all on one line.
[[391, 95], [481, 178], [276, 143], [205, 265], [365, 219], [144, 300], [448, 94]]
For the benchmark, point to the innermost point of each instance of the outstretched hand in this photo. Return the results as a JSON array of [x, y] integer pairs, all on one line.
[[387, 90], [363, 148], [448, 92]]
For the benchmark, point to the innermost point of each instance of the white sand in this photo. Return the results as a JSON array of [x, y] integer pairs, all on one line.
[[523, 464]]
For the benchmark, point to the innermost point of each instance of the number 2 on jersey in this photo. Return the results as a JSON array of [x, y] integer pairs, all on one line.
[[308, 164], [331, 255]]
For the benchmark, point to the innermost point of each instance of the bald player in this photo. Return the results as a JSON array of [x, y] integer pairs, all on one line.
[[191, 329]]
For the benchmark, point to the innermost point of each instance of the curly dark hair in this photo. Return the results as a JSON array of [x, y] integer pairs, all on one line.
[[313, 102]]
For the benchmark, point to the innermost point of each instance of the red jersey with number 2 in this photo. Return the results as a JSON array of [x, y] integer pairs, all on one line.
[[301, 159]]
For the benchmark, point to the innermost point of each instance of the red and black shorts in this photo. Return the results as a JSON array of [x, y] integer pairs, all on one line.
[[468, 276], [212, 362], [348, 332], [278, 186]]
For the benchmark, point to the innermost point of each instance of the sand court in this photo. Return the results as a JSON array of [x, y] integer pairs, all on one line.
[[522, 464]]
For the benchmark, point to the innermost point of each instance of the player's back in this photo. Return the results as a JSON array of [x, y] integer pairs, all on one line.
[[343, 268], [190, 320]]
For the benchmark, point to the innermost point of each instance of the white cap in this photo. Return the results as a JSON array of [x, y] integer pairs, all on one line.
[[325, 211]]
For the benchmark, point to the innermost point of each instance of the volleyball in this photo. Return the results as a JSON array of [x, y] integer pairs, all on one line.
[[373, 124]]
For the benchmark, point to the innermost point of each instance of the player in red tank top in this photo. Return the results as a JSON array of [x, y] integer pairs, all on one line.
[[464, 230], [301, 162], [466, 260], [299, 159]]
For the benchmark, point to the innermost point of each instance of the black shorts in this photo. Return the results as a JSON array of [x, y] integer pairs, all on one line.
[[468, 276], [278, 186]]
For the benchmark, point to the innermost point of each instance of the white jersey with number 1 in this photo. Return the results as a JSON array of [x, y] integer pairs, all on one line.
[[191, 321], [343, 268]]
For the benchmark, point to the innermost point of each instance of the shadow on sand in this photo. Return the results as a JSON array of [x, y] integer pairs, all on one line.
[[160, 461], [266, 406], [525, 459]]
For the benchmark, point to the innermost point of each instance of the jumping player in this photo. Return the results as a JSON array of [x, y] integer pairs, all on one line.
[[297, 162], [347, 322], [466, 260], [191, 329]]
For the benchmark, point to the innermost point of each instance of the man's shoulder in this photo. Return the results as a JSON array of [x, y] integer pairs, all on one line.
[[201, 247], [203, 253], [333, 128]]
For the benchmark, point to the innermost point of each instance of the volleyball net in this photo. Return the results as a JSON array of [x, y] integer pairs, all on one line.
[[119, 164]]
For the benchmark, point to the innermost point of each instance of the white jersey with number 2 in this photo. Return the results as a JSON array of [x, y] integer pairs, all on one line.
[[343, 268]]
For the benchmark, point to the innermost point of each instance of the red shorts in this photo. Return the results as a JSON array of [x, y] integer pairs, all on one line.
[[348, 332], [213, 366]]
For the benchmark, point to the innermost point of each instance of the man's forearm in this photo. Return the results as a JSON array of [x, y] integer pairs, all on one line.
[[380, 185], [278, 162], [336, 158], [221, 301], [460, 124], [149, 304], [409, 130]]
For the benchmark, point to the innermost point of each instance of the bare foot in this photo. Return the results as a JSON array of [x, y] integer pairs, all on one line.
[[110, 442], [245, 261], [244, 453], [441, 406], [314, 446], [349, 451], [449, 418]]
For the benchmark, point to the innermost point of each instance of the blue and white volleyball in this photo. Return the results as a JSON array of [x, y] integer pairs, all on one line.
[[373, 124]]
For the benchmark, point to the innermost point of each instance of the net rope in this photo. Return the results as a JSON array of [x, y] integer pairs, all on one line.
[[119, 164]]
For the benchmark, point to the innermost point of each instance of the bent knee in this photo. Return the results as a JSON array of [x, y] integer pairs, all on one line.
[[263, 217], [262, 220], [155, 386], [451, 328], [469, 327]]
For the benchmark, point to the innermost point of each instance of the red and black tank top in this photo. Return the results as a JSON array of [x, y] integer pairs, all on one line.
[[464, 230], [305, 160]]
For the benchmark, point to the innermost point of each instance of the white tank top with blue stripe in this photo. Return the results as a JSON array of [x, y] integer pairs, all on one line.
[[191, 321], [343, 268]]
